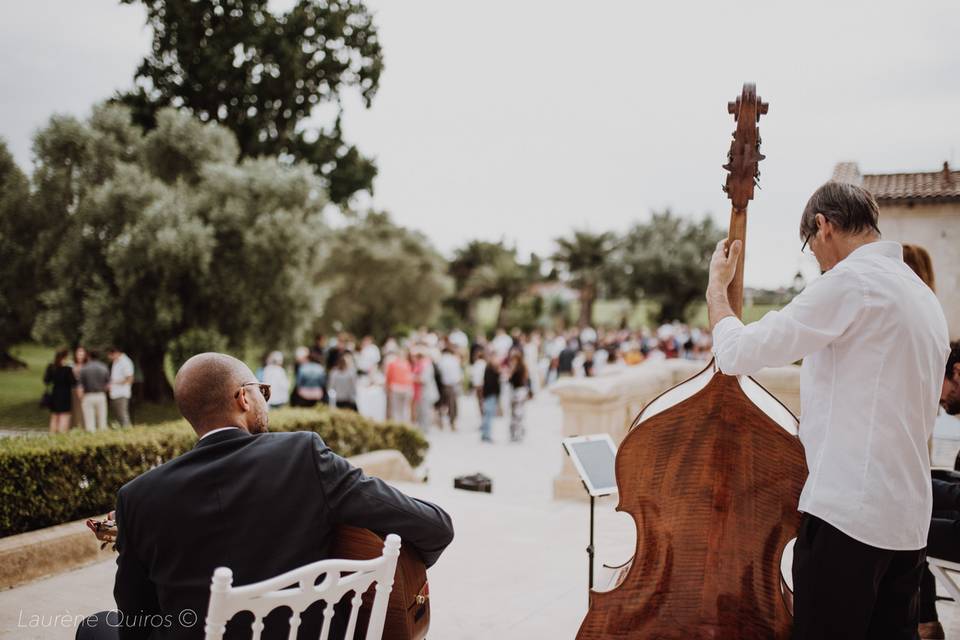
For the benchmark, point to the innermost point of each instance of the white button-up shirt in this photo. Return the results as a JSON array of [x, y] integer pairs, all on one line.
[[874, 345]]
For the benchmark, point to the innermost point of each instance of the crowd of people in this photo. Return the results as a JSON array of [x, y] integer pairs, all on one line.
[[420, 378], [84, 391]]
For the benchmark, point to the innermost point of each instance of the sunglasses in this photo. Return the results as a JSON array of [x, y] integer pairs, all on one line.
[[264, 389], [812, 234]]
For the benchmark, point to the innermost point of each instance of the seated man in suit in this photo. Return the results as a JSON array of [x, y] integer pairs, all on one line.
[[260, 503], [943, 541]]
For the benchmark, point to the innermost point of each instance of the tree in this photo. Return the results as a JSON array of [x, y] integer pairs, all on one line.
[[262, 74], [483, 269], [667, 260], [20, 266], [585, 259], [466, 261], [381, 278], [177, 238], [71, 158]]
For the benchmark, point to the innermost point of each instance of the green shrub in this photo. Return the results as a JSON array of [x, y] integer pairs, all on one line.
[[51, 479]]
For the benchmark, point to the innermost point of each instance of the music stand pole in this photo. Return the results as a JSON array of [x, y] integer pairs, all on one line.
[[590, 551]]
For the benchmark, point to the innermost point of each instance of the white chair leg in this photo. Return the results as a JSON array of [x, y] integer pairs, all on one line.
[[945, 579], [216, 622], [391, 551]]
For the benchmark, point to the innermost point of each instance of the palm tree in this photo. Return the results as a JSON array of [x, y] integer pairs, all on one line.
[[585, 260], [503, 277], [468, 287]]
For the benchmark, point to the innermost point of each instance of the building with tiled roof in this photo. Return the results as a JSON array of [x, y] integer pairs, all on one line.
[[921, 208], [935, 186]]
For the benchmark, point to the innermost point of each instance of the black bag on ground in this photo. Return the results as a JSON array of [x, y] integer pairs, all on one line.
[[476, 482]]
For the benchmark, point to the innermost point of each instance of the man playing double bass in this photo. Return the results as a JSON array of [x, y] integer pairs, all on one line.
[[874, 343]]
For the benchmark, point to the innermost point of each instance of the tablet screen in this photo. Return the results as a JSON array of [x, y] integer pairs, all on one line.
[[594, 458]]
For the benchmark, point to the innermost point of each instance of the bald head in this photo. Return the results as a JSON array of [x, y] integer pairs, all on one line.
[[205, 390]]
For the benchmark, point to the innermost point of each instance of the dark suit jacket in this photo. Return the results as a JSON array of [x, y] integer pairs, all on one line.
[[258, 504]]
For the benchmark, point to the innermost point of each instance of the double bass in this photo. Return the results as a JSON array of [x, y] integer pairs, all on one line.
[[711, 472]]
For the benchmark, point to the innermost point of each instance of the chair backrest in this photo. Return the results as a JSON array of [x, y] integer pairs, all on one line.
[[260, 598]]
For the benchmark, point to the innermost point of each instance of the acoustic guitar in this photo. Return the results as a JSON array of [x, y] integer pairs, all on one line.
[[408, 610]]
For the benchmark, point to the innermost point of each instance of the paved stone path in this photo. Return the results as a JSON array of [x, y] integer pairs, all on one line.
[[516, 570]]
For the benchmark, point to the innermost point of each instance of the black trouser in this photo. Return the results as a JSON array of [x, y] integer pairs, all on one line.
[[350, 405], [848, 590], [100, 626]]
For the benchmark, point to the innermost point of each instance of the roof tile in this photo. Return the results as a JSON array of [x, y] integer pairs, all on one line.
[[937, 185]]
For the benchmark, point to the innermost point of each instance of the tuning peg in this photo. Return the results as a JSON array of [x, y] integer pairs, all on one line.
[[724, 187], [728, 166]]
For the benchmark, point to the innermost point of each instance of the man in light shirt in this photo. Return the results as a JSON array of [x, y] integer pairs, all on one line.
[[874, 343], [451, 378], [121, 385]]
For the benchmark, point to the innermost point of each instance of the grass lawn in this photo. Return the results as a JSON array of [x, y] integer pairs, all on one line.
[[20, 393]]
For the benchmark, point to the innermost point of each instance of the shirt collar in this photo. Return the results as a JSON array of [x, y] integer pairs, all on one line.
[[886, 248], [210, 433]]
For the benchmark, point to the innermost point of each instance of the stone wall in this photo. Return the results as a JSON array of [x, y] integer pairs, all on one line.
[[609, 403], [936, 228]]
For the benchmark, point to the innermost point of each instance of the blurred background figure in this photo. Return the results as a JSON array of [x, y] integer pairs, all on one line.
[[918, 259], [451, 378], [342, 382], [519, 393], [491, 396], [477, 370], [399, 381], [60, 383], [94, 378], [121, 385], [310, 379], [531, 358], [80, 358], [425, 393], [276, 376], [369, 357]]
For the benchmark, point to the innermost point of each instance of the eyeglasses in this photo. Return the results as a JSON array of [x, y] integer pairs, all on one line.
[[806, 241], [264, 389]]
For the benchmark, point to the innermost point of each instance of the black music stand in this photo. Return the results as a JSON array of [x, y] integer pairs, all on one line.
[[594, 458]]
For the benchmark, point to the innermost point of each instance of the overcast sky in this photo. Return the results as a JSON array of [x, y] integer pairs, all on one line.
[[525, 120]]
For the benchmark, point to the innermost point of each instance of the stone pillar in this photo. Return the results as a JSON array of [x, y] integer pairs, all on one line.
[[609, 403]]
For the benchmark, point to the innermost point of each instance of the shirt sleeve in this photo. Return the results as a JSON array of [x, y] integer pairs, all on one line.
[[812, 320]]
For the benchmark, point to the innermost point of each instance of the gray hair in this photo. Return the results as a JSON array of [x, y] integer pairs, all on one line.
[[847, 206]]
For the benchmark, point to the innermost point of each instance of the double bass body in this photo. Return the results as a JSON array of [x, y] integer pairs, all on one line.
[[712, 483]]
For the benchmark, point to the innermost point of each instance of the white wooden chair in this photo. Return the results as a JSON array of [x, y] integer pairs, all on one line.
[[260, 598], [945, 571]]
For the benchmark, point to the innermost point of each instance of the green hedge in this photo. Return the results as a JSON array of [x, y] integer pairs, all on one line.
[[51, 479]]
